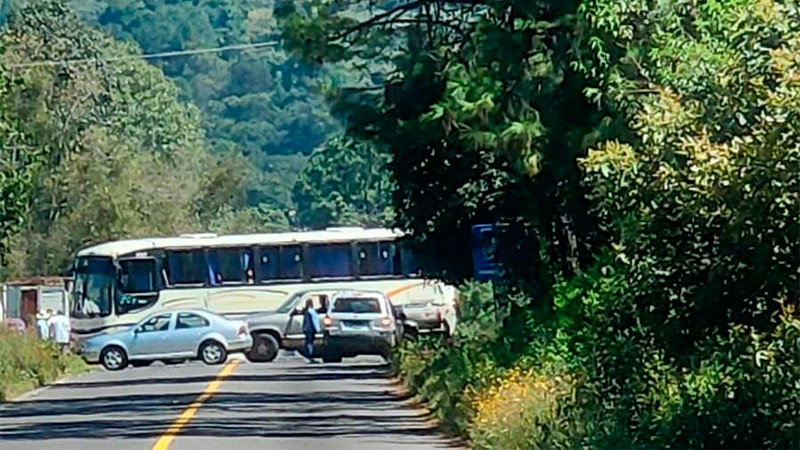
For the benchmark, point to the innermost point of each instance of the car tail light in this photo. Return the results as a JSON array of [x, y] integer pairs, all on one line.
[[327, 322], [384, 322], [243, 331]]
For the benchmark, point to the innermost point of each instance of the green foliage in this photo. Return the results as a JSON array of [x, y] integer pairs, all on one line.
[[17, 167], [709, 184], [344, 183], [481, 112], [260, 103], [444, 375], [683, 331], [120, 155], [27, 362]]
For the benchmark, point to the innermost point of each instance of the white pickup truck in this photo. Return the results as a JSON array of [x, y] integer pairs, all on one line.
[[426, 318]]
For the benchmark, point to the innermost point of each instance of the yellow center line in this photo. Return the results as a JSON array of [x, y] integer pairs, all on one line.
[[166, 439]]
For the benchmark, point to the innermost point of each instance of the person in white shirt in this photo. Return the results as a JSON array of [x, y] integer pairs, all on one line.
[[59, 330], [43, 325]]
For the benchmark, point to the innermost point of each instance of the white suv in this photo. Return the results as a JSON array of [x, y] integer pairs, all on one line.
[[359, 323]]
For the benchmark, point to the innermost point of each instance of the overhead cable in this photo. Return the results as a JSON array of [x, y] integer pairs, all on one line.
[[171, 54]]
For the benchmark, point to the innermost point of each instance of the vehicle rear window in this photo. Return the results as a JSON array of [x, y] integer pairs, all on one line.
[[357, 305], [189, 320]]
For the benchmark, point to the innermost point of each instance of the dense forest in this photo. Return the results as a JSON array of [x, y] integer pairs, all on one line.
[[259, 102], [644, 157]]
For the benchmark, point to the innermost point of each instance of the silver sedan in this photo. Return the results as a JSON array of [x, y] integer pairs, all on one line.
[[170, 336]]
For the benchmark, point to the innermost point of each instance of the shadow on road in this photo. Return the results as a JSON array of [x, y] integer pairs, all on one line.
[[371, 411], [309, 376]]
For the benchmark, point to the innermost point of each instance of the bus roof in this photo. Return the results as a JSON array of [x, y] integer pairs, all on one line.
[[187, 241]]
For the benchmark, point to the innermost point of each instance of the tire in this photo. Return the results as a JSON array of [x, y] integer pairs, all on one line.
[[213, 353], [265, 348], [410, 333], [141, 362], [114, 358], [331, 357]]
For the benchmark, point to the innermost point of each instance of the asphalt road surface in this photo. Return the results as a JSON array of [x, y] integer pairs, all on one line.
[[287, 404]]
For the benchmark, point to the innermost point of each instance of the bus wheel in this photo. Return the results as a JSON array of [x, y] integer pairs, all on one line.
[[114, 358], [265, 348]]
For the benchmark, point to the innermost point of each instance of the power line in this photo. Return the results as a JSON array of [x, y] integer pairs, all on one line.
[[198, 51]]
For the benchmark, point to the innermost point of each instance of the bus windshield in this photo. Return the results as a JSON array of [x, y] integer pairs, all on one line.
[[93, 287]]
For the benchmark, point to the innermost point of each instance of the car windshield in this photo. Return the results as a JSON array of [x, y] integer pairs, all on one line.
[[93, 287], [356, 305]]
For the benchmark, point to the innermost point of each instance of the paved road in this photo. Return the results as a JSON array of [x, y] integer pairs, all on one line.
[[289, 404]]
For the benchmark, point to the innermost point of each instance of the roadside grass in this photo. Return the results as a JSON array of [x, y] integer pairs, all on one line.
[[26, 362]]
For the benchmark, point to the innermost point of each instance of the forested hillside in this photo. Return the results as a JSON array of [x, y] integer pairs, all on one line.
[[259, 102], [210, 142], [96, 151]]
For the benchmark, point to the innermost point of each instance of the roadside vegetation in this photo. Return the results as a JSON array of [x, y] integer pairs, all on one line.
[[27, 362], [644, 157]]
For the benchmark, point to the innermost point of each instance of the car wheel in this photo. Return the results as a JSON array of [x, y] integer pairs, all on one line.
[[114, 358], [410, 334], [212, 352], [142, 363], [265, 348]]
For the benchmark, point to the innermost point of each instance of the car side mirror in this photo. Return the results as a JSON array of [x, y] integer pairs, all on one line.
[[137, 330]]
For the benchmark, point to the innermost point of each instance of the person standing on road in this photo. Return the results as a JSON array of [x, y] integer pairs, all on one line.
[[311, 327], [59, 330], [42, 324]]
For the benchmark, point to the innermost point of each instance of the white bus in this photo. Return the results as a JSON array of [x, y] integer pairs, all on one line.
[[117, 283]]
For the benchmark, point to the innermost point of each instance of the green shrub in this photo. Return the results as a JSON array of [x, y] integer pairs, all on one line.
[[443, 374], [525, 408], [27, 362], [737, 388], [593, 375]]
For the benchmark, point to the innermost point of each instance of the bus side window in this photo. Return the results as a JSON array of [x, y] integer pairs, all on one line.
[[409, 265], [270, 263], [329, 260], [230, 265], [137, 276], [374, 259], [186, 267], [291, 262]]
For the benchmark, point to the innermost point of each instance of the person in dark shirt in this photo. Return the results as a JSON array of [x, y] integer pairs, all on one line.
[[311, 327]]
